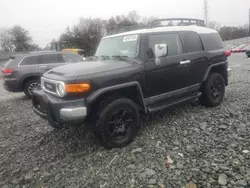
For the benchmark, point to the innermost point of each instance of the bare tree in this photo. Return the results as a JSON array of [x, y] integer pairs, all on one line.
[[5, 41], [214, 25]]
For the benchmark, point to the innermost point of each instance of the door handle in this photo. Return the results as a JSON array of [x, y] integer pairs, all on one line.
[[43, 66], [185, 62]]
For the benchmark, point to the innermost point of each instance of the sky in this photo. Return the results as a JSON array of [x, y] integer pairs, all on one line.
[[47, 19]]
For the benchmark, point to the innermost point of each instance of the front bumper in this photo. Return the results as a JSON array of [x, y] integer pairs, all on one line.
[[58, 111]]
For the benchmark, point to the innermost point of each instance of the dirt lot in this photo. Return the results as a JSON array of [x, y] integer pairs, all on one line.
[[209, 147]]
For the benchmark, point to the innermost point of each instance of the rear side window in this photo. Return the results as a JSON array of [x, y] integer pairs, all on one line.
[[193, 42], [30, 60], [51, 58], [212, 41], [171, 40], [8, 63]]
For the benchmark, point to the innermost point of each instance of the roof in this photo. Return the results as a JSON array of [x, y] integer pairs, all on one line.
[[36, 53], [197, 29]]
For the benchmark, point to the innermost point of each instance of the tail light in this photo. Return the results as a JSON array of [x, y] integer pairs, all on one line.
[[227, 53], [7, 71]]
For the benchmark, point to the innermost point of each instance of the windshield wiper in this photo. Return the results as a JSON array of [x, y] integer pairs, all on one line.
[[120, 57]]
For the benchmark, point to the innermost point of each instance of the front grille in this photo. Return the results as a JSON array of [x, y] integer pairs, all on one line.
[[50, 86]]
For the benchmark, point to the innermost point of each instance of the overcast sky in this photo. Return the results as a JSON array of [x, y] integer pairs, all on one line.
[[47, 19]]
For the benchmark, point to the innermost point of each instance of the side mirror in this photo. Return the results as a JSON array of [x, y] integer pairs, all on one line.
[[161, 50]]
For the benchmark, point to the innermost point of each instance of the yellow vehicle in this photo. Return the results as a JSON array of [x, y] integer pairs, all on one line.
[[75, 51], [65, 47]]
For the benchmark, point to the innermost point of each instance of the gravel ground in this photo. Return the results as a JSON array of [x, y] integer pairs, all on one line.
[[186, 146]]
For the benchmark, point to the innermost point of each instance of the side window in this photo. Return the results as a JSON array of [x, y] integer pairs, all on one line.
[[72, 58], [30, 60], [212, 41], [193, 42], [50, 58], [172, 40]]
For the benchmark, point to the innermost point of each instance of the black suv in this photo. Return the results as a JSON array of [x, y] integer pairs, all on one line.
[[135, 73], [23, 71]]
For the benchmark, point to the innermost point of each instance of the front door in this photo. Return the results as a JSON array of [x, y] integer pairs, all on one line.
[[168, 73]]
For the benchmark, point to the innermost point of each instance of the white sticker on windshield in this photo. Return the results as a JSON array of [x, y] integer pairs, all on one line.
[[130, 38]]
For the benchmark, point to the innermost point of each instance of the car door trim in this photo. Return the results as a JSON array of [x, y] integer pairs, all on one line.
[[175, 93]]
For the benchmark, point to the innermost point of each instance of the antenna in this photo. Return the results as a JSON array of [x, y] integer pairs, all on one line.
[[206, 11]]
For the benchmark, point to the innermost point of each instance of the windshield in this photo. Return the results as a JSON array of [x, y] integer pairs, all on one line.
[[124, 46]]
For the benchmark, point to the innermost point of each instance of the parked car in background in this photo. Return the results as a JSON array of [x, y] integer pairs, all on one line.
[[248, 53], [22, 72], [240, 48]]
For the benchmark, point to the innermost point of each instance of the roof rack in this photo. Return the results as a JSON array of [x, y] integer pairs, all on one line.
[[167, 22]]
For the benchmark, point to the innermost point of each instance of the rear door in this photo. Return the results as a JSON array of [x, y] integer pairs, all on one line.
[[170, 72], [50, 61], [195, 56]]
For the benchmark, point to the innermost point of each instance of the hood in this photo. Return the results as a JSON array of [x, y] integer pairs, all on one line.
[[88, 67]]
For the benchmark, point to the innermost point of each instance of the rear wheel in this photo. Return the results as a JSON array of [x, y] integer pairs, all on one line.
[[30, 85], [117, 123], [213, 90]]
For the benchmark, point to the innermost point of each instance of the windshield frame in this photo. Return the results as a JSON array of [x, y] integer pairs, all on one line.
[[138, 46]]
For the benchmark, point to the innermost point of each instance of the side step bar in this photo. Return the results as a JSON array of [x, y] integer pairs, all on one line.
[[169, 104]]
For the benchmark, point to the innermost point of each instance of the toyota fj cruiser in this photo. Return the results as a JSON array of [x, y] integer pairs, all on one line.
[[135, 73]]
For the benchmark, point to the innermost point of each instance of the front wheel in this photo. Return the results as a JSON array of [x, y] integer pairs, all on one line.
[[117, 123], [213, 90], [30, 85]]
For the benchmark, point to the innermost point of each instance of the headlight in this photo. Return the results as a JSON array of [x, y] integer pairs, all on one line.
[[61, 89]]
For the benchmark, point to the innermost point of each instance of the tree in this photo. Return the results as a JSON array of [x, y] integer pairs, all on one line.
[[213, 25], [85, 35], [20, 38], [229, 33], [5, 41], [133, 16]]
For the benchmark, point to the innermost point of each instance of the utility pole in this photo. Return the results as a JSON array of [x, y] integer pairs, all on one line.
[[206, 11], [249, 23]]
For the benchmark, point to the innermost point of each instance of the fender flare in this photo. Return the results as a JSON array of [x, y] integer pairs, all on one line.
[[90, 99], [210, 67]]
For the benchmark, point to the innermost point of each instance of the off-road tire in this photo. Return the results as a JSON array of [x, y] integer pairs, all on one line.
[[101, 126], [27, 84], [207, 98]]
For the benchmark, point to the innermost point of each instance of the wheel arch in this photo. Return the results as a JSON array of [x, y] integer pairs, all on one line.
[[30, 77], [219, 68], [131, 90]]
